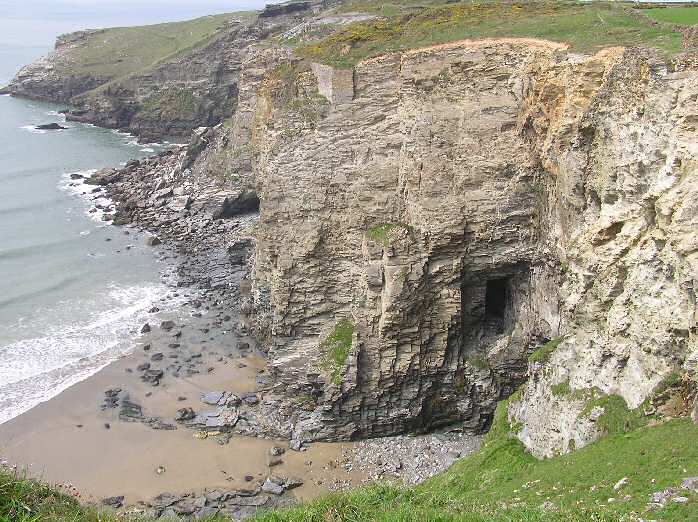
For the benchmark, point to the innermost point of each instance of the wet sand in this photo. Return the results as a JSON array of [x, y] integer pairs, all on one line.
[[66, 440]]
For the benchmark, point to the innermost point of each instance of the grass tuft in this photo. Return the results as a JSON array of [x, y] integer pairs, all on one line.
[[336, 349], [381, 233], [542, 354]]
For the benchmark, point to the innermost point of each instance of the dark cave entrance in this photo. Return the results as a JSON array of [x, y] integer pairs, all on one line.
[[498, 313], [496, 298], [491, 302]]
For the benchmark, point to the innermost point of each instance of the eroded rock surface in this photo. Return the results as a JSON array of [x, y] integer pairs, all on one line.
[[437, 215], [467, 204]]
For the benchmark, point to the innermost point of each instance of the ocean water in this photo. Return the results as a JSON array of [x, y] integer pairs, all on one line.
[[73, 289]]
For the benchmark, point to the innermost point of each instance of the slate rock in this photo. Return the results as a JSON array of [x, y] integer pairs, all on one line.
[[167, 325], [114, 502], [271, 487], [185, 414]]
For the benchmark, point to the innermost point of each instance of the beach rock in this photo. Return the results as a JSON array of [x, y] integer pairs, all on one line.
[[214, 398], [152, 376], [164, 500], [292, 483], [130, 411], [185, 414], [277, 451], [167, 325], [250, 501], [114, 502], [272, 487], [250, 398], [157, 423], [145, 329], [157, 356], [206, 513]]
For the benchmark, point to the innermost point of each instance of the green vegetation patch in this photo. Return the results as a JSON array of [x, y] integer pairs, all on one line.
[[381, 233], [674, 15], [172, 104], [562, 389], [542, 354], [617, 418], [585, 27], [121, 51], [336, 349]]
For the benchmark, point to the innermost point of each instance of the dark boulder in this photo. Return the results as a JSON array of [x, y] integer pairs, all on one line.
[[50, 126]]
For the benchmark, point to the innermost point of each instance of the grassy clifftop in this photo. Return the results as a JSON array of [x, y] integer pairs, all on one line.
[[407, 24], [121, 51]]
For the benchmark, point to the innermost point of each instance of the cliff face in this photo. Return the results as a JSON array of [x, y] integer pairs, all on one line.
[[175, 97], [615, 135], [452, 209]]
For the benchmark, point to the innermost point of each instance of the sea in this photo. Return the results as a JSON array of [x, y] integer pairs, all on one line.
[[74, 290], [72, 287]]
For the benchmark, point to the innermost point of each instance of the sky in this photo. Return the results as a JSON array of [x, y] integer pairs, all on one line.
[[36, 23]]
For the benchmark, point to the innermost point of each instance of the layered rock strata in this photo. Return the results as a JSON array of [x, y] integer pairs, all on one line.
[[467, 204], [432, 217]]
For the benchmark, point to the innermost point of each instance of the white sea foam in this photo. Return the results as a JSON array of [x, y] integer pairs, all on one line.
[[33, 129], [38, 368], [147, 149], [79, 188], [56, 114]]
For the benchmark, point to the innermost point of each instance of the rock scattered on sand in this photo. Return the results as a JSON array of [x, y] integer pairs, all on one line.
[[152, 376], [185, 414], [114, 502], [167, 325]]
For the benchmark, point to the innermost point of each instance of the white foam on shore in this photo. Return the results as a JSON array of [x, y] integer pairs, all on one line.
[[56, 114], [79, 188], [33, 129], [35, 369]]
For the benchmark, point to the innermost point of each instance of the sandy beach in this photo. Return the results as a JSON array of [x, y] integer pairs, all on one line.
[[72, 439]]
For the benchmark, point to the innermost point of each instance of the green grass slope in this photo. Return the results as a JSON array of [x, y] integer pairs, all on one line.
[[121, 51], [675, 15], [585, 27]]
